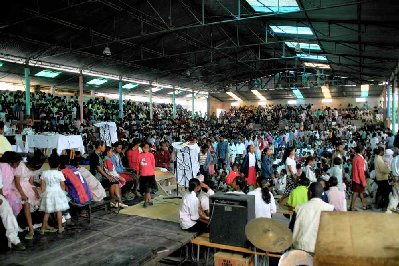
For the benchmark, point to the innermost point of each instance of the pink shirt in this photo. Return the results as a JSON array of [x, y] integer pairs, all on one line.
[[337, 198], [146, 164]]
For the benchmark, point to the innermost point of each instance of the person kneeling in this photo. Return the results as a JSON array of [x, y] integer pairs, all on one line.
[[192, 219]]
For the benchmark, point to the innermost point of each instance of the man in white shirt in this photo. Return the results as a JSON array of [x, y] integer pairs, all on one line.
[[240, 151], [308, 219], [191, 218], [9, 221]]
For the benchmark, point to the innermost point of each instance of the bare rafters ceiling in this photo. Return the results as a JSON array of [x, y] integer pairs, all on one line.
[[203, 44]]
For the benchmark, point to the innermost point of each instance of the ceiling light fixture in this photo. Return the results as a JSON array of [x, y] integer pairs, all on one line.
[[107, 51]]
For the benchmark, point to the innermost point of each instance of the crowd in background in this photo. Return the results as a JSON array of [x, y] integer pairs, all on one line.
[[272, 151]]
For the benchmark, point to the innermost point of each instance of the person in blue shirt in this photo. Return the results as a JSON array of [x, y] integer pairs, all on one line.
[[266, 164], [222, 151]]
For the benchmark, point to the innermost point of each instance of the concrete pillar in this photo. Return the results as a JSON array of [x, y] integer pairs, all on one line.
[[389, 91], [151, 112], [192, 104], [394, 103], [92, 93], [120, 99], [52, 90], [81, 96], [27, 91], [174, 104]]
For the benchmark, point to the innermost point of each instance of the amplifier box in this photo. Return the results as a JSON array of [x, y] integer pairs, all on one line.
[[229, 215]]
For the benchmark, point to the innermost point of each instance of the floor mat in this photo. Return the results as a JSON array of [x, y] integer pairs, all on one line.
[[163, 209]]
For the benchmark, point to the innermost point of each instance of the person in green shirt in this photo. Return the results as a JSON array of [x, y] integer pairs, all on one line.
[[299, 195]]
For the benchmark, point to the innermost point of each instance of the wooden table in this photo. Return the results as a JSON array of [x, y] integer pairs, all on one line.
[[357, 238], [203, 240]]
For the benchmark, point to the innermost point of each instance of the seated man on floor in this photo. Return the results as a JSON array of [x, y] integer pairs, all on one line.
[[192, 219]]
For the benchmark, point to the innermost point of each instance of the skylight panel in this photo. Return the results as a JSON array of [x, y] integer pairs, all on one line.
[[291, 30], [48, 73], [312, 57], [97, 81], [274, 6], [155, 89], [177, 92], [304, 46], [130, 86], [297, 93], [317, 65]]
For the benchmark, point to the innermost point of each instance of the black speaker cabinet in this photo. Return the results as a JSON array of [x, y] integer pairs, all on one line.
[[229, 215]]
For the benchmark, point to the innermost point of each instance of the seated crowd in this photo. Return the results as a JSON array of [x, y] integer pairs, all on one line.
[[312, 160]]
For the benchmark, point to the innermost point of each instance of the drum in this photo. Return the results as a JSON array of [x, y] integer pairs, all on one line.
[[296, 258]]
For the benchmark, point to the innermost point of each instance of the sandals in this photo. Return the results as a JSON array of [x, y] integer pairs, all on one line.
[[29, 236], [48, 230]]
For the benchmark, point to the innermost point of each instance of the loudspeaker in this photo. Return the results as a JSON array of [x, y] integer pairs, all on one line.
[[229, 215]]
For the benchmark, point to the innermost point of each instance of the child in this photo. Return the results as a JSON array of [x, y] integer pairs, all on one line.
[[232, 174], [54, 197], [146, 166]]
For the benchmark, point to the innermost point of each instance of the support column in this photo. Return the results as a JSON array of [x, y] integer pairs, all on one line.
[[174, 104], [192, 104], [389, 90], [151, 113], [384, 104], [92, 93], [81, 96], [52, 90], [394, 102], [120, 99], [27, 91]]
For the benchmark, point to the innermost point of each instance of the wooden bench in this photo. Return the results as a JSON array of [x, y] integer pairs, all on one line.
[[203, 240]]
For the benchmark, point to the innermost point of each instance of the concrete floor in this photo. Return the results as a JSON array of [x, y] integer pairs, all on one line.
[[111, 239]]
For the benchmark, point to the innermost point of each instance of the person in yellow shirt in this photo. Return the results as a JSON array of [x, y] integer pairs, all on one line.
[[300, 194], [4, 143]]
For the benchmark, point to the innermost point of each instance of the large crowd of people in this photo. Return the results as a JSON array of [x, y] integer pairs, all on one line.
[[312, 160]]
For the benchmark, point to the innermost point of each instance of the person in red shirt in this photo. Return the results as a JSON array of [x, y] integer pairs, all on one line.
[[146, 170], [358, 177], [163, 157], [132, 154]]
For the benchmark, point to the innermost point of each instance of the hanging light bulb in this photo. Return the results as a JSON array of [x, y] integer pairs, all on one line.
[[107, 51], [298, 48]]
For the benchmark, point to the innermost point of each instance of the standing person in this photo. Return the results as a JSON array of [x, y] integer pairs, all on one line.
[[146, 167], [232, 152], [381, 174], [54, 198], [338, 172], [308, 219], [222, 150], [249, 166], [309, 162], [358, 177], [266, 164], [265, 206], [290, 167], [240, 152], [204, 159]]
